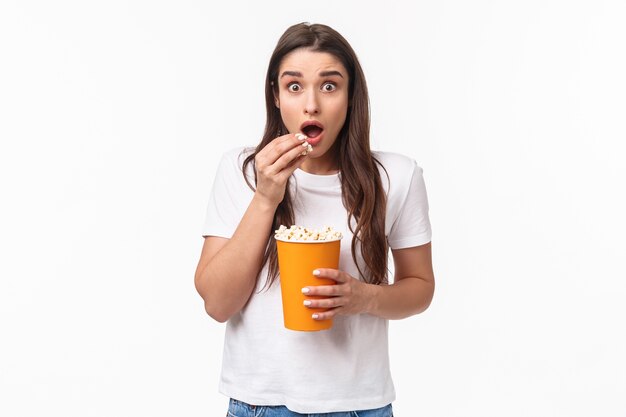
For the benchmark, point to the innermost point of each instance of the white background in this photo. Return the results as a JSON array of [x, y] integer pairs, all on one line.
[[114, 114]]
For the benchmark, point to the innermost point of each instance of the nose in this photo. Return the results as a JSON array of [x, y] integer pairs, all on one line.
[[311, 105]]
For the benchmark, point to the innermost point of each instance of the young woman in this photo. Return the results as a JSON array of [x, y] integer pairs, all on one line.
[[315, 95]]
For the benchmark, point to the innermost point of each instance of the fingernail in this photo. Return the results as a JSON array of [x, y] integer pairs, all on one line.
[[316, 272], [307, 302], [315, 316], [305, 290]]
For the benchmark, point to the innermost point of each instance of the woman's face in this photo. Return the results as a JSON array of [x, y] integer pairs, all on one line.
[[313, 99]]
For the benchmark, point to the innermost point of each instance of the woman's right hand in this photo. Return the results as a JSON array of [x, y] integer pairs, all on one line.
[[275, 163]]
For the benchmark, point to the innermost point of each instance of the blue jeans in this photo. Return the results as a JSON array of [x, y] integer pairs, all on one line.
[[238, 408]]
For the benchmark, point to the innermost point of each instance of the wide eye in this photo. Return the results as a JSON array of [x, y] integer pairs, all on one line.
[[293, 87], [329, 87]]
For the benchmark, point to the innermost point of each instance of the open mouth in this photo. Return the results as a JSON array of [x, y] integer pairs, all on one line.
[[312, 129]]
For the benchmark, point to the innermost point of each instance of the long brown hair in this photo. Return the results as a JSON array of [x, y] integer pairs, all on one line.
[[362, 191]]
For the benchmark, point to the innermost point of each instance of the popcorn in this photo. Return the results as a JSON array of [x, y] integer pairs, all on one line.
[[304, 234], [308, 149]]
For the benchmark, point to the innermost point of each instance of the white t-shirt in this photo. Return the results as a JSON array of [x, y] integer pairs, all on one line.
[[340, 369]]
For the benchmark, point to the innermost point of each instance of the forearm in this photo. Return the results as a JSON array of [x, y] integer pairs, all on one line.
[[404, 298], [227, 280]]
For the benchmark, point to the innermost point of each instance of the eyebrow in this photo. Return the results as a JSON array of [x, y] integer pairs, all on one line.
[[299, 74], [329, 73]]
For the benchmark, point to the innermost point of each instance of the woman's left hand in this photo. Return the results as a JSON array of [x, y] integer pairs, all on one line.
[[348, 296]]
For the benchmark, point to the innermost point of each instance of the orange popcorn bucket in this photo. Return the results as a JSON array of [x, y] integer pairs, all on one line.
[[296, 262]]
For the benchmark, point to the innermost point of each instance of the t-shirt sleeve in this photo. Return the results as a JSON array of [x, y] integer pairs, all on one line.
[[229, 198], [412, 225]]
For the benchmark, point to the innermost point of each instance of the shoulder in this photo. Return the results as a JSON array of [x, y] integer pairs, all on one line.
[[233, 159], [395, 168]]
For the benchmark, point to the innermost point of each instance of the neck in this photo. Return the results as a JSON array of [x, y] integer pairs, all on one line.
[[320, 166]]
